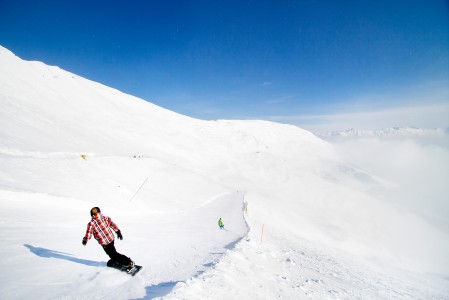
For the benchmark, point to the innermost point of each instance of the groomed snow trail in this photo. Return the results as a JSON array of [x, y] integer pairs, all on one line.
[[44, 250]]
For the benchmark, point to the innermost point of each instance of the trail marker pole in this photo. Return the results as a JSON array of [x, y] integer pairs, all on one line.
[[261, 234], [138, 190]]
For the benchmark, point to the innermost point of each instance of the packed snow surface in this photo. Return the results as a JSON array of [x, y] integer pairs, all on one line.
[[300, 222]]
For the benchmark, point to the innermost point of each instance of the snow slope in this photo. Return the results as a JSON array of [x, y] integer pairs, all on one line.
[[312, 227]]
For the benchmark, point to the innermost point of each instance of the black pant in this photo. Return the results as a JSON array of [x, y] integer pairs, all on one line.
[[115, 256]]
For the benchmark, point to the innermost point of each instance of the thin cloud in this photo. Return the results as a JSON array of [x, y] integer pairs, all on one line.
[[424, 105], [416, 168], [425, 116], [282, 99]]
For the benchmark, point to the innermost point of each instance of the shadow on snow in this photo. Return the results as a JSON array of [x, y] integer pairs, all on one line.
[[159, 290], [47, 253]]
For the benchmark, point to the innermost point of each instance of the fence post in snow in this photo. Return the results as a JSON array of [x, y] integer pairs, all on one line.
[[245, 207], [138, 190]]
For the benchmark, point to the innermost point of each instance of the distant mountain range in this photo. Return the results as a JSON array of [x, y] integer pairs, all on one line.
[[389, 132]]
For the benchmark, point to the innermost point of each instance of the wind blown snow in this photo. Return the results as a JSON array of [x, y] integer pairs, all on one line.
[[300, 222]]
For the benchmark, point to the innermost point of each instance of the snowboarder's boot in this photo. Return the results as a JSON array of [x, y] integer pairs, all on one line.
[[131, 267]]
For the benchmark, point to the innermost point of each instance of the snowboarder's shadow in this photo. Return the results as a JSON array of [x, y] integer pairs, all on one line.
[[47, 253]]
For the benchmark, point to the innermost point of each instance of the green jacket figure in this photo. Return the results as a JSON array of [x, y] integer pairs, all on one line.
[[220, 224]]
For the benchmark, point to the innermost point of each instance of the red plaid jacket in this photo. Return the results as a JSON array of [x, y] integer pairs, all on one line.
[[100, 226]]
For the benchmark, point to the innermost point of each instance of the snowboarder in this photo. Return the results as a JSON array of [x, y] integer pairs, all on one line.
[[101, 228], [220, 224]]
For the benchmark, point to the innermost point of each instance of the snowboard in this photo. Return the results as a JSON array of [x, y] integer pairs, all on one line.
[[120, 267]]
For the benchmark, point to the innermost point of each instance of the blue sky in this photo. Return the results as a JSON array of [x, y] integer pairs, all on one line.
[[289, 61]]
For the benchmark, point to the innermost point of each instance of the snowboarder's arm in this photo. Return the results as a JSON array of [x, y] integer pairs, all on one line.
[[88, 234], [115, 228], [112, 224]]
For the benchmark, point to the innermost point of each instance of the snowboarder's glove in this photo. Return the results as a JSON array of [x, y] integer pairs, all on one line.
[[119, 235], [84, 241]]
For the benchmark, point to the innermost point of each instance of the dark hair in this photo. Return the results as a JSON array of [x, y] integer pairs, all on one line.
[[94, 210]]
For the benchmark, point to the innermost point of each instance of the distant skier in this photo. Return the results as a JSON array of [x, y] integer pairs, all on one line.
[[101, 227], [220, 224]]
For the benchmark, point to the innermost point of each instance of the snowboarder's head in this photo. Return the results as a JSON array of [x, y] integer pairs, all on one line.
[[94, 211]]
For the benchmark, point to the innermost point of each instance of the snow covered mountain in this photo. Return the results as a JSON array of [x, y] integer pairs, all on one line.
[[300, 222], [403, 132]]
